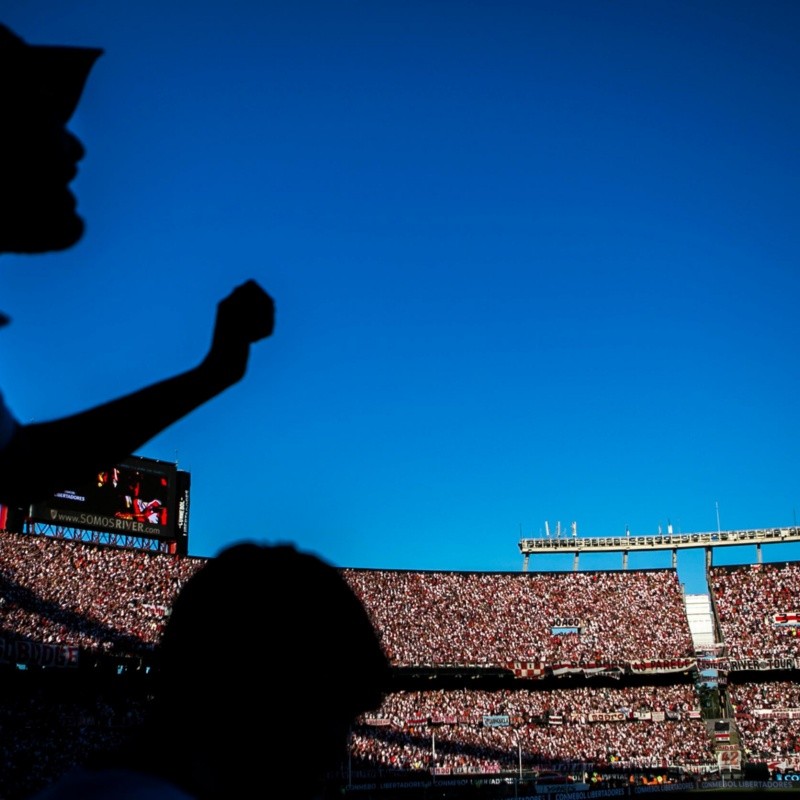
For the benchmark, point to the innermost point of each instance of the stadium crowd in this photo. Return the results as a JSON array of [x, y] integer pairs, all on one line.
[[452, 618], [46, 728], [756, 609], [92, 597], [106, 600], [574, 704], [115, 600], [620, 727], [767, 716]]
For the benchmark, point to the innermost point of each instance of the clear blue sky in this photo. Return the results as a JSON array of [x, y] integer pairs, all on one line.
[[532, 261]]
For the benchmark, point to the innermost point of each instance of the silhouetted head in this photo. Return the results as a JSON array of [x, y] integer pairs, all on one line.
[[265, 661], [39, 89]]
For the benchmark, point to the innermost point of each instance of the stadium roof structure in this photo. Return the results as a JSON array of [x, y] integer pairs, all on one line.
[[670, 541]]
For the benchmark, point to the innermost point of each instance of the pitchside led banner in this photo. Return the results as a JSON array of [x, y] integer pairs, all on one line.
[[135, 498]]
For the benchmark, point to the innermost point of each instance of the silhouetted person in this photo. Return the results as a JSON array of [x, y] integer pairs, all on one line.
[[266, 660], [39, 89]]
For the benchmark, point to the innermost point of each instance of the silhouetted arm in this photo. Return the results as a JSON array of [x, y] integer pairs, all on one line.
[[45, 457]]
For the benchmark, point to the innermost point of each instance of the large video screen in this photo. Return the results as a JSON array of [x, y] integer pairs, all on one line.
[[134, 498]]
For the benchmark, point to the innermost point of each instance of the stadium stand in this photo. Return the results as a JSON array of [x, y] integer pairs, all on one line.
[[756, 611], [766, 715], [571, 730], [556, 619], [758, 624], [588, 675], [67, 601]]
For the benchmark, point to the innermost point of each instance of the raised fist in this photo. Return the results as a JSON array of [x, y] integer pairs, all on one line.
[[245, 316], [248, 312]]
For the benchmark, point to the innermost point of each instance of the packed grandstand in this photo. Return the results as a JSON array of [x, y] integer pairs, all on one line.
[[582, 676]]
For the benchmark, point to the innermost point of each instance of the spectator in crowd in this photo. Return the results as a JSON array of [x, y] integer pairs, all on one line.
[[261, 640], [39, 89]]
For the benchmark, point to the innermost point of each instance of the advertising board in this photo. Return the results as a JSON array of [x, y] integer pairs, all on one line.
[[137, 497]]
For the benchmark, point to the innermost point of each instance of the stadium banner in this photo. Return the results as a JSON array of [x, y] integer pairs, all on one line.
[[377, 721], [538, 670], [475, 770], [730, 759], [705, 662], [566, 622], [496, 721], [642, 715], [183, 482], [604, 669], [444, 719], [776, 713], [566, 626], [656, 667], [40, 654], [416, 720], [610, 670], [136, 497], [700, 769], [658, 716], [527, 669], [791, 618], [762, 664], [606, 716], [564, 669]]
